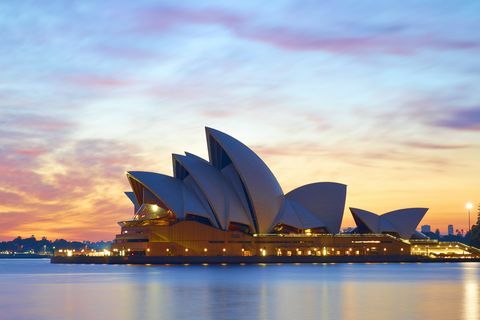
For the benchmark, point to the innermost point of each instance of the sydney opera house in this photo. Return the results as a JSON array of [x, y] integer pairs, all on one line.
[[232, 205]]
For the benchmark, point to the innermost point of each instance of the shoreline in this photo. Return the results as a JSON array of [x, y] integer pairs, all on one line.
[[198, 260], [24, 256]]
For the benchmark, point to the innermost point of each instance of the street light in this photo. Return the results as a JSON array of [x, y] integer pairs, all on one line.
[[469, 207]]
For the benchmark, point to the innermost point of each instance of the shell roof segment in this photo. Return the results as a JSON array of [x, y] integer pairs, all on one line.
[[326, 200], [263, 192], [218, 192], [402, 221]]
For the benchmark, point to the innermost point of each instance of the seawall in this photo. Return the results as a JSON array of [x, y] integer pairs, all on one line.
[[163, 260]]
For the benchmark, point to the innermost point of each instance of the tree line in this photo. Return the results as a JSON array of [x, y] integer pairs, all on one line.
[[45, 246]]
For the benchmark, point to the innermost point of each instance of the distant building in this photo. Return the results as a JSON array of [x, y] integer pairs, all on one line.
[[426, 228], [450, 230]]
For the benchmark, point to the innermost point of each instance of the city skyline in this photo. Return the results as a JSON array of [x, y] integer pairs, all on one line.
[[388, 105]]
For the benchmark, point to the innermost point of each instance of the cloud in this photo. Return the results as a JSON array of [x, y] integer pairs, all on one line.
[[460, 119], [85, 194], [10, 198], [33, 152], [126, 53], [218, 113], [55, 185], [96, 81], [161, 19], [435, 146], [296, 40], [21, 121], [387, 40]]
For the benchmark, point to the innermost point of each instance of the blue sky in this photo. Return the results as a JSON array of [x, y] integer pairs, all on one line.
[[383, 96]]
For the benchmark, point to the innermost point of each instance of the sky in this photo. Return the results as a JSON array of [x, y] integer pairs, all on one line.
[[383, 96]]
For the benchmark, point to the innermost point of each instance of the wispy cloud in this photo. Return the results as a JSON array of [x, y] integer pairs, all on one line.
[[161, 19], [387, 40], [460, 119], [60, 185], [96, 81], [435, 146], [21, 121], [126, 53], [77, 189], [217, 113]]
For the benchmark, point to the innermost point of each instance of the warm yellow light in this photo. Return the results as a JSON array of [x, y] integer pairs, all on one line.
[[167, 249], [224, 249], [148, 249], [154, 208], [469, 205], [205, 249], [186, 249]]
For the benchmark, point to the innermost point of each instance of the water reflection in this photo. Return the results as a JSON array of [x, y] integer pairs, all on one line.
[[471, 295], [37, 289]]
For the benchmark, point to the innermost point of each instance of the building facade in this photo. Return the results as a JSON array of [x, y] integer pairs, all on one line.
[[232, 205]]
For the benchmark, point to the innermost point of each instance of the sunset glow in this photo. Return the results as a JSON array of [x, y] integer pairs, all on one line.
[[389, 106]]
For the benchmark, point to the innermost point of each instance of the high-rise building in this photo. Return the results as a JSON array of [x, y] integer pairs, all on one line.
[[426, 228], [450, 230]]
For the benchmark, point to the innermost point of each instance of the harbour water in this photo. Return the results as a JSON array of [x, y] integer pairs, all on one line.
[[36, 289]]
